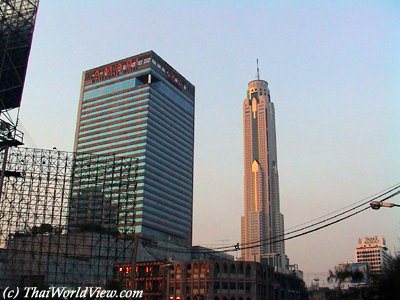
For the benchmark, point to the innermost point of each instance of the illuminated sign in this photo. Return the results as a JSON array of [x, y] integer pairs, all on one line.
[[376, 241], [116, 69], [136, 63], [174, 78]]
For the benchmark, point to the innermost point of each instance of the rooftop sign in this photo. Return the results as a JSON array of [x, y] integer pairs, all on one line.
[[136, 63]]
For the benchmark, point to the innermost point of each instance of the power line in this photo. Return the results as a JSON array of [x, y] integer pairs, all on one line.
[[261, 242], [309, 231], [323, 221], [236, 248], [397, 185], [323, 226], [330, 218]]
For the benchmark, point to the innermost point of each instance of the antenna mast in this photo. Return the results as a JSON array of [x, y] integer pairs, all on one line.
[[258, 71]]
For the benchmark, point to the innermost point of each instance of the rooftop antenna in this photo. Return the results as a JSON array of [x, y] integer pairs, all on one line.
[[258, 71]]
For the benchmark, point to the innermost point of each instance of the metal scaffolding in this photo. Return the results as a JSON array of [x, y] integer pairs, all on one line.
[[65, 218], [17, 21]]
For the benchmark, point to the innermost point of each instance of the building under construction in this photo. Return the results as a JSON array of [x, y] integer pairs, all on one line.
[[17, 22], [66, 219]]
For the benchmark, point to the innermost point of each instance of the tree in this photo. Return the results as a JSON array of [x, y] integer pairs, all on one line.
[[386, 285], [348, 273], [341, 274], [383, 286]]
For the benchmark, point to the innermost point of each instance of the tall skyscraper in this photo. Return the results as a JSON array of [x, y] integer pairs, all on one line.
[[262, 220], [141, 107]]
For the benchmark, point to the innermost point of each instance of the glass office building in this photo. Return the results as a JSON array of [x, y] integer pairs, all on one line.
[[141, 107]]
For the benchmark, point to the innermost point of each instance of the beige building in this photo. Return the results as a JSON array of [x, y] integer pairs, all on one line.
[[373, 251], [262, 220], [212, 279]]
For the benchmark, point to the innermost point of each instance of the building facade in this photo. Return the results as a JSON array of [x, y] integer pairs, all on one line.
[[214, 279], [373, 250], [262, 220], [221, 279], [141, 107]]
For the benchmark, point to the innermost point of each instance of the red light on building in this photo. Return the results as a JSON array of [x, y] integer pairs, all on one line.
[[119, 68], [128, 63]]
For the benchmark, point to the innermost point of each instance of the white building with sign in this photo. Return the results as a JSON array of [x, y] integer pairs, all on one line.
[[373, 251]]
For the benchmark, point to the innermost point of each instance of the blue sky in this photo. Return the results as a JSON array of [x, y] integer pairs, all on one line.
[[334, 74]]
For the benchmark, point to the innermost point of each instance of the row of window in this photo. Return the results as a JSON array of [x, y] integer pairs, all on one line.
[[87, 147], [112, 88], [369, 250], [181, 190], [120, 112], [175, 147], [96, 137], [124, 148], [90, 128], [168, 225], [167, 198], [118, 78], [114, 139], [161, 122], [181, 102], [171, 108], [182, 220], [153, 195], [162, 159], [116, 101]]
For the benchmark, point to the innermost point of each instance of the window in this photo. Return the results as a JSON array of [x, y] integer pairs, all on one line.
[[248, 271], [233, 269], [240, 269], [216, 269], [225, 268]]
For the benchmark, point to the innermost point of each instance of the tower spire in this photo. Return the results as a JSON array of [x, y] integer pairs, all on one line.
[[258, 71]]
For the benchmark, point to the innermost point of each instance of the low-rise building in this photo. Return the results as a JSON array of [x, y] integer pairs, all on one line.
[[234, 280], [294, 269], [215, 279]]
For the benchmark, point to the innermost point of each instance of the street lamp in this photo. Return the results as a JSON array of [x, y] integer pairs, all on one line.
[[379, 204]]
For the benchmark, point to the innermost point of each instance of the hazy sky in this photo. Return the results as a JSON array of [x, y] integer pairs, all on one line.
[[333, 69]]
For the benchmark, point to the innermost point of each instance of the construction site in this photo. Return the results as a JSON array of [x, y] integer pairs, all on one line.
[[66, 219]]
